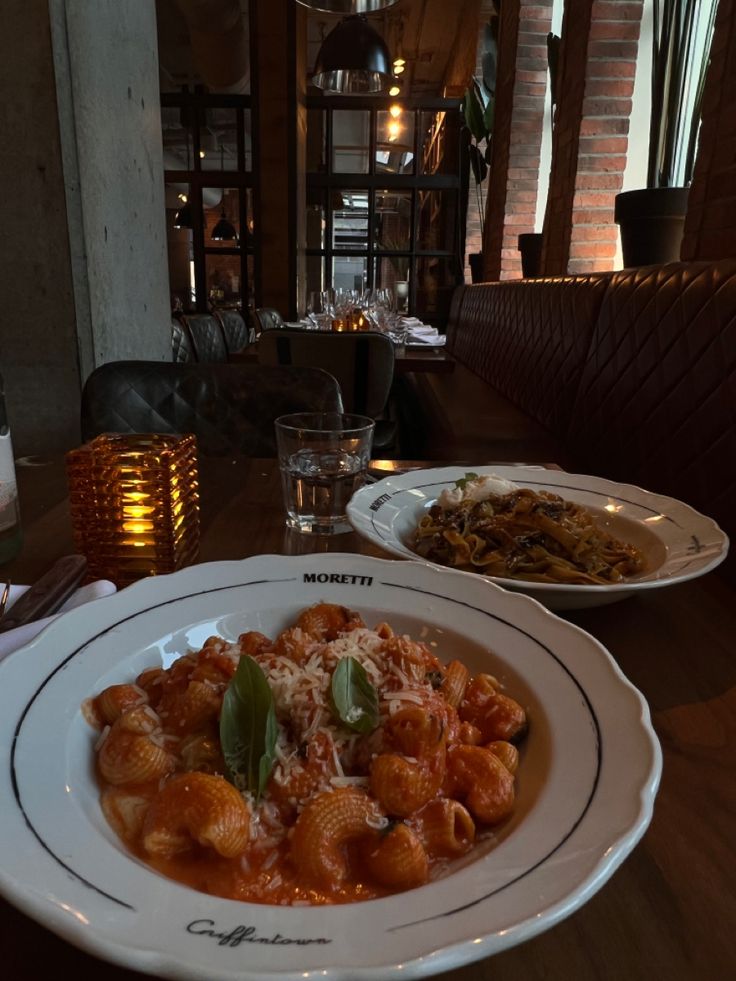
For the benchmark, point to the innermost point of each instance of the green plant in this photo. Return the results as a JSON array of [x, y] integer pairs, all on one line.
[[478, 109], [680, 45]]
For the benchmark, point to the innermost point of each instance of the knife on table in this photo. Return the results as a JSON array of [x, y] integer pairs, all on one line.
[[47, 594]]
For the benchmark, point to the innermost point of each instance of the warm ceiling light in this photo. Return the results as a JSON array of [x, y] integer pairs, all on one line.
[[395, 111], [182, 198], [183, 217], [398, 62], [347, 6], [353, 59], [394, 90], [201, 154], [394, 128], [398, 69], [224, 230]]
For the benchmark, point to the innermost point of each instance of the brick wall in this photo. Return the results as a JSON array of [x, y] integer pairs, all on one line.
[[710, 225], [517, 134], [600, 41]]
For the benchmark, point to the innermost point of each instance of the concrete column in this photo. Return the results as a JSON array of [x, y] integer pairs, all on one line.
[[83, 250], [278, 83]]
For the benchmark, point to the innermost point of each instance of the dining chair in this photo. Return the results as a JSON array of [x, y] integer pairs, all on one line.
[[362, 362], [237, 333], [207, 335], [182, 346], [231, 408], [268, 319]]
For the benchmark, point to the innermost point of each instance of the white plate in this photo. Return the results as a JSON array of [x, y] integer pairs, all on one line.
[[586, 784], [678, 542]]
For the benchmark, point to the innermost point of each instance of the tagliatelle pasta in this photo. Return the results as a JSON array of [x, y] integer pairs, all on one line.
[[382, 765], [528, 535]]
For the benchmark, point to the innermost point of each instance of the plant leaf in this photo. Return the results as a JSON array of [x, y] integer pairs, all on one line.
[[473, 113], [248, 728], [354, 698], [488, 117]]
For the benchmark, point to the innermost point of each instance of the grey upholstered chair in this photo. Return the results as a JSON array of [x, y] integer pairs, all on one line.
[[236, 332], [231, 408], [207, 337], [268, 318], [362, 362], [182, 348]]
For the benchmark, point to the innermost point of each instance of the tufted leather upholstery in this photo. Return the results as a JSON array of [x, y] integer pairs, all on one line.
[[656, 404], [528, 339], [268, 318], [181, 342], [207, 337], [236, 332], [231, 408], [363, 364]]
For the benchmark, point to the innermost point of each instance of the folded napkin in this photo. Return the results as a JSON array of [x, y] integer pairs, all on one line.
[[14, 639]]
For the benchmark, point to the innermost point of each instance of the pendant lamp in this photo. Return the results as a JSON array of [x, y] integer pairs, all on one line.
[[353, 59], [183, 217], [347, 6], [224, 230]]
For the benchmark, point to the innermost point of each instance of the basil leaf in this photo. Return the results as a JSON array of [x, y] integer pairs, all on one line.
[[461, 483], [354, 698], [248, 728]]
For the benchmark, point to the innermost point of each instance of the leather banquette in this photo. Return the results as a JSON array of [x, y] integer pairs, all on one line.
[[629, 375]]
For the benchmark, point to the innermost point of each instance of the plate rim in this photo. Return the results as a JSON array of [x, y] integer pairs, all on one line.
[[442, 956]]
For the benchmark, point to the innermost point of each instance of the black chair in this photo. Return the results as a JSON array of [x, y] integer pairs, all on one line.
[[207, 337], [268, 319], [182, 348], [231, 408], [362, 362], [237, 333]]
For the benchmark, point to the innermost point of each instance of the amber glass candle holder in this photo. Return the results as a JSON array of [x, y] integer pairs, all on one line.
[[134, 503]]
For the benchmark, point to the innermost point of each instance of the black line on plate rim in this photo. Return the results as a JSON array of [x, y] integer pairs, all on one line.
[[62, 664], [599, 757]]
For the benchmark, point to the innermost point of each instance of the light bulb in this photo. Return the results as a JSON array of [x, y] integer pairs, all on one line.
[[393, 130], [398, 62], [395, 111], [394, 90], [398, 69]]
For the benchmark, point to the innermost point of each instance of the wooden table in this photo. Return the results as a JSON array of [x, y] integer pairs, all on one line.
[[424, 359], [669, 913]]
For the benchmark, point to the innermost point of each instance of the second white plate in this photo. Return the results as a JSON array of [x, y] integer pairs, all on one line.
[[679, 543]]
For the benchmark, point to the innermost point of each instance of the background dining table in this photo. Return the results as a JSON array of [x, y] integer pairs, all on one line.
[[669, 912]]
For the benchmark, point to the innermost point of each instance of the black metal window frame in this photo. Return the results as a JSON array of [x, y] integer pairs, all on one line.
[[329, 180], [196, 104]]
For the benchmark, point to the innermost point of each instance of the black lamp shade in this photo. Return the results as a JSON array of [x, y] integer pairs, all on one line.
[[353, 59], [183, 217], [224, 231], [347, 6]]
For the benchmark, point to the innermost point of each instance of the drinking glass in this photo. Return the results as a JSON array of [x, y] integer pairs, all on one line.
[[323, 458], [318, 312]]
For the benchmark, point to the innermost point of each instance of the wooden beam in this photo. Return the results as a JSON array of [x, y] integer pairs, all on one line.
[[463, 56]]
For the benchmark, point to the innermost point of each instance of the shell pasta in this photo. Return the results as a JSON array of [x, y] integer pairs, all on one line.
[[380, 766]]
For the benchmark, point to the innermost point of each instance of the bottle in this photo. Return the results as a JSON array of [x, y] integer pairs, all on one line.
[[10, 529]]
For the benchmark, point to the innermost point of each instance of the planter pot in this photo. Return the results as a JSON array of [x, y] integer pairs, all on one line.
[[475, 261], [652, 222], [530, 246]]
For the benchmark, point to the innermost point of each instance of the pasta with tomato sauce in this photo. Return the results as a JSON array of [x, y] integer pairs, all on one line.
[[331, 764]]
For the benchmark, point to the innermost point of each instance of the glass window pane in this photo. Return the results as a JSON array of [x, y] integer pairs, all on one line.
[[392, 272], [179, 250], [436, 279], [218, 140], [350, 141], [392, 220], [349, 272], [316, 141], [221, 217], [222, 276], [437, 221], [177, 140], [395, 142], [439, 142], [350, 220], [316, 219]]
